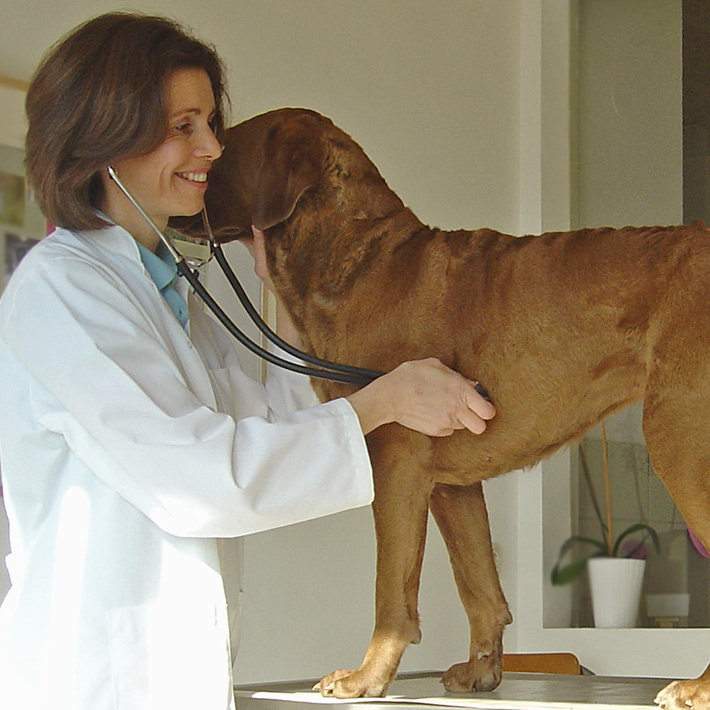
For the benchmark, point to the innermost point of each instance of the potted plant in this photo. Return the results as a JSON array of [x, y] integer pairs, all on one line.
[[616, 569]]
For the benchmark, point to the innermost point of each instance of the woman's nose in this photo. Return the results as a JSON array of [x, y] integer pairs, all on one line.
[[209, 146]]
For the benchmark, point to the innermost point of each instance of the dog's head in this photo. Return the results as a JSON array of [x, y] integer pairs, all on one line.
[[270, 161]]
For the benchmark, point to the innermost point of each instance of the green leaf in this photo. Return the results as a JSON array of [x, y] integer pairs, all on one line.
[[638, 527], [568, 573], [570, 543]]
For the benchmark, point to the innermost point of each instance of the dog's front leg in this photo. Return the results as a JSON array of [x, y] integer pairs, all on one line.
[[460, 513], [402, 490]]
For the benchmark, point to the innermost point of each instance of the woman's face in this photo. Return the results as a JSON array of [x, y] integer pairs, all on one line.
[[172, 179]]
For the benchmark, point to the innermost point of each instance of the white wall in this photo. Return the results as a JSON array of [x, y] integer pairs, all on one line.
[[432, 93]]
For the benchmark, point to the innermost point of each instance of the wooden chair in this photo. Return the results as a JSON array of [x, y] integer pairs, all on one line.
[[565, 663]]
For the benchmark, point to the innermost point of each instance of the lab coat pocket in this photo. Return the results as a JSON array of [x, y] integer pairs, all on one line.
[[176, 660]]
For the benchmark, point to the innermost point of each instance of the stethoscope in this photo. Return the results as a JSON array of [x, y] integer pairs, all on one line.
[[322, 369], [317, 367]]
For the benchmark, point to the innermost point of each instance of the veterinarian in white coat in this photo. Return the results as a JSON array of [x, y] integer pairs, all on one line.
[[131, 463], [130, 437]]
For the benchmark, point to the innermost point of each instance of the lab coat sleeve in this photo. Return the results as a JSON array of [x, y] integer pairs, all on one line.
[[119, 399]]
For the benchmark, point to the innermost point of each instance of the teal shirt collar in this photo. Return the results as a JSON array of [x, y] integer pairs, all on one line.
[[161, 268], [158, 264]]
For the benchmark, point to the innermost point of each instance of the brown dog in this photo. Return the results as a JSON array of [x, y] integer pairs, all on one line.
[[563, 329]]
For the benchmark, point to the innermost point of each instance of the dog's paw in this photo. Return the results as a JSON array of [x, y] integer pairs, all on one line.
[[350, 684], [326, 684], [685, 694], [480, 674]]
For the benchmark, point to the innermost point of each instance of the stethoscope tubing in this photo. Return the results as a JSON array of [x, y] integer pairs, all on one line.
[[333, 376], [335, 371], [322, 369], [361, 374]]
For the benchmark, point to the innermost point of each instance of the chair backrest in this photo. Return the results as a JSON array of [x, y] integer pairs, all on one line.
[[565, 663]]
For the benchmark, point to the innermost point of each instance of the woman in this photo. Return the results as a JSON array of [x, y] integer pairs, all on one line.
[[130, 437]]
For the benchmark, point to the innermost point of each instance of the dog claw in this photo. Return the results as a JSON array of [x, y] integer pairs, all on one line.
[[326, 685], [323, 689], [350, 684]]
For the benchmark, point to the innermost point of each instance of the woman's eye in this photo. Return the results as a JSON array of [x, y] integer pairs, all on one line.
[[183, 127]]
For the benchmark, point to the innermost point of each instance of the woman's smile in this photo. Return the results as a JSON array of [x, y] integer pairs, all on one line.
[[199, 178]]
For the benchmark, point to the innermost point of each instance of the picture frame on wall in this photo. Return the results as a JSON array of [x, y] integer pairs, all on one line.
[[12, 199], [22, 224]]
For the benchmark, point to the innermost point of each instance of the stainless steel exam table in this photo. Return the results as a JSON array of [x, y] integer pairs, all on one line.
[[517, 691]]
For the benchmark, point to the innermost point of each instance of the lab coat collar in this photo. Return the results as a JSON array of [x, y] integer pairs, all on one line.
[[114, 239], [117, 240]]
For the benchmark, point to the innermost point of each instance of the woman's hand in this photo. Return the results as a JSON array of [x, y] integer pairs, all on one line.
[[257, 248], [423, 395], [284, 325]]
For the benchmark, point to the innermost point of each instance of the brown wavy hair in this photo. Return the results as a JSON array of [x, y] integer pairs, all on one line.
[[98, 97]]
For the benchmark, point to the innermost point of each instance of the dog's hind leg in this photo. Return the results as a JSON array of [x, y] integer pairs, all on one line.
[[402, 490], [678, 440], [460, 512]]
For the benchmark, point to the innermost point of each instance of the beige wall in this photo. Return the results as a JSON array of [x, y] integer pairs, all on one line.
[[431, 90], [630, 115]]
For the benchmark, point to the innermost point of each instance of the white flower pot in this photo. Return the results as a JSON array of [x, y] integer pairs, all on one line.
[[616, 591]]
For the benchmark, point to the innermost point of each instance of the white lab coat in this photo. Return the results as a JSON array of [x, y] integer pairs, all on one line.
[[127, 447]]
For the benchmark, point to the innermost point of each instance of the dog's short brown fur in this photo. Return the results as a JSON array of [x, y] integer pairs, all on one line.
[[562, 329]]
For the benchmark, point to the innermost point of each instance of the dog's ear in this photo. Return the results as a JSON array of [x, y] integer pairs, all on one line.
[[293, 162]]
